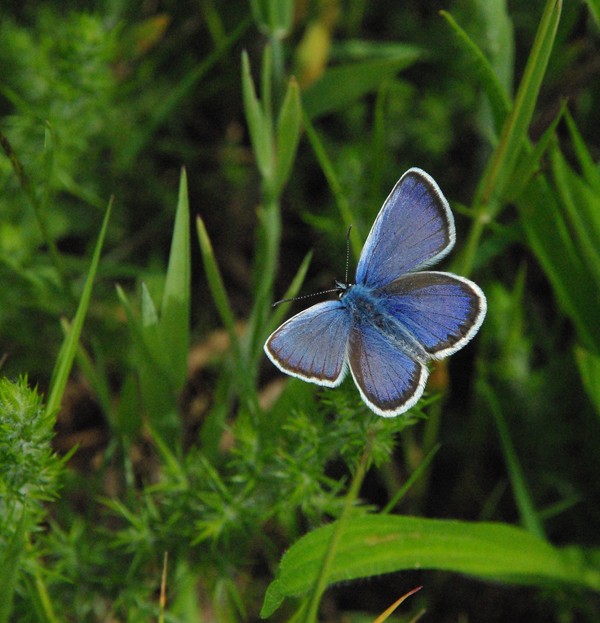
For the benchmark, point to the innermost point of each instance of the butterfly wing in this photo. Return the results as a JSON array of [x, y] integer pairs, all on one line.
[[413, 229], [389, 380], [312, 344], [441, 310]]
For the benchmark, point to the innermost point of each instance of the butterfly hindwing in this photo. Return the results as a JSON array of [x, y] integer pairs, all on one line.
[[390, 381], [441, 310], [312, 344], [413, 229]]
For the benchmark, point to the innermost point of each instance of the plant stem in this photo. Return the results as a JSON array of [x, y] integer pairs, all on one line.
[[338, 531]]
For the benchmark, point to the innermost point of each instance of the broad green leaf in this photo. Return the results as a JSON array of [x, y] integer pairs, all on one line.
[[376, 544], [342, 85], [68, 350], [175, 308]]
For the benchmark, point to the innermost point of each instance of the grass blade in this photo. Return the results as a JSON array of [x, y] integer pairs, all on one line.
[[175, 308], [68, 350], [348, 217], [215, 282], [497, 96], [529, 515]]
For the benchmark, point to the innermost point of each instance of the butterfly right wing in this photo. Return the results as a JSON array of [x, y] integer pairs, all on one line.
[[414, 229], [312, 345]]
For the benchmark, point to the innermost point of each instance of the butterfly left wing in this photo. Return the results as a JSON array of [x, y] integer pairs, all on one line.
[[312, 344], [389, 380], [441, 310]]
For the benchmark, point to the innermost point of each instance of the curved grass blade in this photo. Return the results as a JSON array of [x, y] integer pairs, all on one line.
[[68, 350]]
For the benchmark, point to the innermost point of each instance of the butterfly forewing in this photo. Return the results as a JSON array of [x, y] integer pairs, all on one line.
[[441, 310], [414, 229], [312, 344]]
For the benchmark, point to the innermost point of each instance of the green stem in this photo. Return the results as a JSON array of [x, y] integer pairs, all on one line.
[[338, 531]]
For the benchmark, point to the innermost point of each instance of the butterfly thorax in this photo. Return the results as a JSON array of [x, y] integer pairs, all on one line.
[[367, 306]]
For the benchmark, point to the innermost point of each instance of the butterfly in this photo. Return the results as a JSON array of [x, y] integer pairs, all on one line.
[[396, 317]]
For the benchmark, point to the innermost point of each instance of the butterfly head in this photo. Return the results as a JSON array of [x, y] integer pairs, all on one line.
[[342, 288]]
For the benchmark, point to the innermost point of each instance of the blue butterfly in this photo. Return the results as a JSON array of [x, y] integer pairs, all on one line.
[[396, 317]]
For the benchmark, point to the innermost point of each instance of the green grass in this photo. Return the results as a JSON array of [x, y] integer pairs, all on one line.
[[164, 178]]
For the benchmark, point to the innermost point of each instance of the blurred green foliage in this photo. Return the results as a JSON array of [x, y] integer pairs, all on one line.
[[292, 120]]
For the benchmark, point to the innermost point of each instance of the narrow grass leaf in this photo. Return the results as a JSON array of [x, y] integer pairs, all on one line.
[[215, 282], [550, 239], [343, 85], [495, 181], [68, 350], [499, 172], [292, 291], [258, 126], [529, 163], [589, 370], [594, 7], [496, 93], [159, 397], [376, 544], [587, 164], [412, 479], [288, 133], [529, 515], [498, 31], [175, 308], [581, 213], [348, 217]]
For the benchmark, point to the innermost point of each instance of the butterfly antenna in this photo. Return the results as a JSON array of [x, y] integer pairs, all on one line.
[[305, 296], [347, 252], [337, 289]]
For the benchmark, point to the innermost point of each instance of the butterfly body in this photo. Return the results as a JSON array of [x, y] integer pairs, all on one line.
[[369, 307], [397, 317]]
